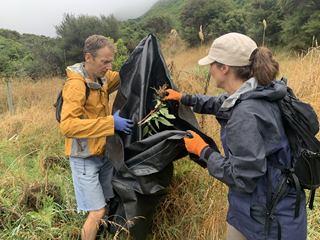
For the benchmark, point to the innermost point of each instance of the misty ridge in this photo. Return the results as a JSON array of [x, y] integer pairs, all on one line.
[[133, 11]]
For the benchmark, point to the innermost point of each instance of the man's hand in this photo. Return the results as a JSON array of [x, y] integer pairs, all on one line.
[[122, 124], [195, 144], [172, 95]]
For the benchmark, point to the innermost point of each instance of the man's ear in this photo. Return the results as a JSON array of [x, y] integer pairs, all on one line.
[[88, 57]]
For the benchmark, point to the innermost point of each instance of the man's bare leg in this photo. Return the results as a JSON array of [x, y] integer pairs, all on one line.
[[91, 226]]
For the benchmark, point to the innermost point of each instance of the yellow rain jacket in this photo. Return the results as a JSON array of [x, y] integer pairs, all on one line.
[[86, 122]]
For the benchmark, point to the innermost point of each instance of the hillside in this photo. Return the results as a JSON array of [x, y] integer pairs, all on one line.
[[170, 7]]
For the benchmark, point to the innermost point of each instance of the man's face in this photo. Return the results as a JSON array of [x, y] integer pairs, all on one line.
[[98, 66]]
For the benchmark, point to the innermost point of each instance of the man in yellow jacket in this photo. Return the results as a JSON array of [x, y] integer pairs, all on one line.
[[86, 122]]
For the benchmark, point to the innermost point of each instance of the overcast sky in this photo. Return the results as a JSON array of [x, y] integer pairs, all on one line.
[[40, 16]]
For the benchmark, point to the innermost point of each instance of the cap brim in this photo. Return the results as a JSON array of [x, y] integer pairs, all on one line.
[[205, 61]]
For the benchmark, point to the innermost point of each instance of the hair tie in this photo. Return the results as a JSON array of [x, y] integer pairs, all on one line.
[[253, 54]]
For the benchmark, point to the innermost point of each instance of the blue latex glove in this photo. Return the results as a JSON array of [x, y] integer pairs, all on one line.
[[122, 124]]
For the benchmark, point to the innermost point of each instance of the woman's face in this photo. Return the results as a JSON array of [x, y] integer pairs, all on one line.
[[217, 74]]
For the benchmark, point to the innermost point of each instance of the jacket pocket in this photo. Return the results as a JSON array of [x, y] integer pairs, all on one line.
[[259, 213], [80, 148]]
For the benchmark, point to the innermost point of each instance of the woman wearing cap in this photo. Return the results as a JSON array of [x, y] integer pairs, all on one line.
[[251, 132]]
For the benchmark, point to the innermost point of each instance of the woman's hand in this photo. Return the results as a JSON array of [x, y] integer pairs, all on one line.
[[172, 95], [195, 144]]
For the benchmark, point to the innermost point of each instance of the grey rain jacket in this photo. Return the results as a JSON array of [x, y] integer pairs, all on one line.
[[251, 131]]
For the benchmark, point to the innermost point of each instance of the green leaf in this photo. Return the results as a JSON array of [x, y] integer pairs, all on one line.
[[164, 121], [152, 128], [170, 116], [158, 103], [149, 118], [145, 130], [165, 112], [156, 122]]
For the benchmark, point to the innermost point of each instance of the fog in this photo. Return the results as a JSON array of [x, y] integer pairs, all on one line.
[[40, 16]]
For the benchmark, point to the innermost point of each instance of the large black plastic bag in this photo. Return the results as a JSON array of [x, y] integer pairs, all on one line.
[[144, 166]]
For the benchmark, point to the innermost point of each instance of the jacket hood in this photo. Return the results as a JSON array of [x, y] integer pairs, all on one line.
[[77, 71], [251, 89], [272, 92]]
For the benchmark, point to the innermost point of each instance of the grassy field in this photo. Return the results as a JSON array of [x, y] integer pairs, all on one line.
[[37, 200]]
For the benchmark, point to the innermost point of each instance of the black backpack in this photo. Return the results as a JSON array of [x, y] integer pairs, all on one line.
[[301, 125], [59, 102]]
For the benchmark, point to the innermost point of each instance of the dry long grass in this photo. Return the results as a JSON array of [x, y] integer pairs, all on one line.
[[196, 205]]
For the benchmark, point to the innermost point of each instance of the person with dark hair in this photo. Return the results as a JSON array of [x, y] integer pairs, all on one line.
[[252, 131], [86, 122]]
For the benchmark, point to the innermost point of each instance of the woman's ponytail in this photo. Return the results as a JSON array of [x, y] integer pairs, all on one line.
[[264, 68]]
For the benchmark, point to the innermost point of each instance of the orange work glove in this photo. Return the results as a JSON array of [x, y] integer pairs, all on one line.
[[173, 95], [196, 144]]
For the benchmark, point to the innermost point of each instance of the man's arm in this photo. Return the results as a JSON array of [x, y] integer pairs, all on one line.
[[71, 125], [113, 81]]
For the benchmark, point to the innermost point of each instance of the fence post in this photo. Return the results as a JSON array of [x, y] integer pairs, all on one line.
[[9, 97]]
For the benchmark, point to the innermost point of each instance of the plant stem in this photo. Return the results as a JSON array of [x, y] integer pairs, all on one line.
[[154, 110]]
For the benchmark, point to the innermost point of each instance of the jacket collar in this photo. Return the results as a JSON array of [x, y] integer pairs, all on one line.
[[78, 68], [248, 85]]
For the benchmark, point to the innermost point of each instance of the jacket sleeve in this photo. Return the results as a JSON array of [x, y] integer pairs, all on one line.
[[203, 103], [113, 81], [71, 125], [246, 163]]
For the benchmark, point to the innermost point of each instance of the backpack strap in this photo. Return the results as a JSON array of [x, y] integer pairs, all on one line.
[[87, 92], [272, 202], [87, 95], [311, 198], [283, 187], [287, 180]]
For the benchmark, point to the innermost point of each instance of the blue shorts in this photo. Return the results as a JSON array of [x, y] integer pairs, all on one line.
[[92, 182]]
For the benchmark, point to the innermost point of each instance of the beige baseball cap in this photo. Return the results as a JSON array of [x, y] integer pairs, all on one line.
[[232, 49]]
